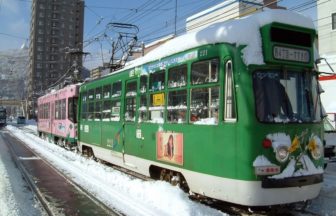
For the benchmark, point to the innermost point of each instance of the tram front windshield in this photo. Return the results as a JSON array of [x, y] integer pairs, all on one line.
[[2, 114], [286, 96]]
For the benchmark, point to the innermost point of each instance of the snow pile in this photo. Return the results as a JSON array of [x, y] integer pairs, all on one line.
[[244, 31], [308, 169], [115, 189], [206, 121]]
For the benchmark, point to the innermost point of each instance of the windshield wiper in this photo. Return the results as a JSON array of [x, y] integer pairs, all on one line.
[[307, 94]]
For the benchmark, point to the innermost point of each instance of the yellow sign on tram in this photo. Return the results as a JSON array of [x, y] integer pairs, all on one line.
[[158, 99]]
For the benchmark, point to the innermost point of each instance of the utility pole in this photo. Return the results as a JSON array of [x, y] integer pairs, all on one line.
[[76, 54], [175, 16]]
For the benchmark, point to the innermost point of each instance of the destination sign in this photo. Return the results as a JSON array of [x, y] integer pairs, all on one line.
[[291, 54]]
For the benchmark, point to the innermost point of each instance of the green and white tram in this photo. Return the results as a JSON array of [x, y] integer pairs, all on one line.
[[231, 112]]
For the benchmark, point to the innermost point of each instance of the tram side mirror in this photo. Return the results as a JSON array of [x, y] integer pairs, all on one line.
[[318, 61]]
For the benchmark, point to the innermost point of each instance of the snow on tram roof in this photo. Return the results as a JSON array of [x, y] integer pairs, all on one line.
[[243, 31]]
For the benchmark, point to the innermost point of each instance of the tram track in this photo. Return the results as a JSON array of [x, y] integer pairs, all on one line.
[[28, 179], [45, 199]]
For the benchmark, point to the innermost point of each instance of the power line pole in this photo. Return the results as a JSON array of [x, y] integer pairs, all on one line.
[[175, 16]]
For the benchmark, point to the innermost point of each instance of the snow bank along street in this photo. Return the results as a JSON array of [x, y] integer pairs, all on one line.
[[117, 190]]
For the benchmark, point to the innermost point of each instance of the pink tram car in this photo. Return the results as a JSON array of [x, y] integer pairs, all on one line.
[[57, 116]]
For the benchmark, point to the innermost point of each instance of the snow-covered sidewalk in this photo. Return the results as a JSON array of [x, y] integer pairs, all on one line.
[[116, 189]]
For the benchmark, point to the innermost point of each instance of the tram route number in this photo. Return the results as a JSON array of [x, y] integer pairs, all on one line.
[[290, 54]]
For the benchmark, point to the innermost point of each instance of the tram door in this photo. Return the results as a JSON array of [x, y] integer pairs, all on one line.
[[130, 107], [96, 129], [52, 115]]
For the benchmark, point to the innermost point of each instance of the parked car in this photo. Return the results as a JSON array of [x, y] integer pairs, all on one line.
[[330, 141], [21, 120]]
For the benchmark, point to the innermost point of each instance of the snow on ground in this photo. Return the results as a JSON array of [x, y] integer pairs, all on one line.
[[15, 196], [116, 189]]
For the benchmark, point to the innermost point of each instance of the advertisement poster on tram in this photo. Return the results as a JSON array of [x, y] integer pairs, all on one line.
[[169, 147]]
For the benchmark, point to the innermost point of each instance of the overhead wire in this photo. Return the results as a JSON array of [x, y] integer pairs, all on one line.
[[221, 16], [138, 16], [211, 19], [180, 18]]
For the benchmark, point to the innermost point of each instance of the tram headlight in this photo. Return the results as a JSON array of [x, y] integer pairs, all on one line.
[[281, 153], [317, 152], [315, 147]]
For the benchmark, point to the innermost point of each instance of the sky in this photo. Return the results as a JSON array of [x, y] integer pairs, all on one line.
[[154, 18]]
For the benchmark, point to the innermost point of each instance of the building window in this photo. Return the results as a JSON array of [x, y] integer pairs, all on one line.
[[333, 21]]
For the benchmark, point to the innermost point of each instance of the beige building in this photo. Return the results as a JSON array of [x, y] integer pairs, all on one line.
[[326, 26], [227, 10], [56, 26]]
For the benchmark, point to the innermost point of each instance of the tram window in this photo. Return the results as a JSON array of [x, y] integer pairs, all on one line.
[[116, 89], [143, 83], [204, 105], [98, 110], [63, 109], [72, 107], [157, 81], [130, 109], [156, 109], [230, 102], [115, 110], [57, 114], [84, 97], [98, 94], [106, 112], [106, 91], [84, 105], [131, 89], [42, 111], [204, 72], [177, 76], [143, 108], [47, 110], [90, 114], [177, 106], [83, 110], [91, 94]]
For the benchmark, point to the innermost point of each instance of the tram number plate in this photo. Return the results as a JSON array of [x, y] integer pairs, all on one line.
[[290, 54]]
